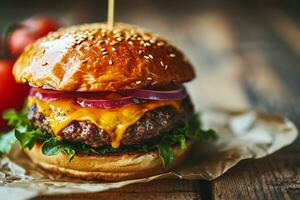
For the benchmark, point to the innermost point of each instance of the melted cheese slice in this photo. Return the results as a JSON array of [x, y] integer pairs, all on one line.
[[60, 113]]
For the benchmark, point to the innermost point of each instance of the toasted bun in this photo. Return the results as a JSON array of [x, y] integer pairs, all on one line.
[[109, 168], [93, 57]]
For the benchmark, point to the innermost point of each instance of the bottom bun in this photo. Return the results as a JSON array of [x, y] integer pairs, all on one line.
[[106, 167]]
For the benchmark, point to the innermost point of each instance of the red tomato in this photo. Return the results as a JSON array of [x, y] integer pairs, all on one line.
[[31, 30], [12, 94], [19, 39], [41, 26]]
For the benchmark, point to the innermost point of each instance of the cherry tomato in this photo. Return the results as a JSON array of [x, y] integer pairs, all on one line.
[[31, 29], [19, 39], [41, 26], [12, 94]]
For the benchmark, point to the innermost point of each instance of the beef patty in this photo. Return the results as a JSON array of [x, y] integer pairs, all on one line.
[[149, 127]]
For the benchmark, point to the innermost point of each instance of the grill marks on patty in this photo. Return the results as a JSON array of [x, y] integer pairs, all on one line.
[[149, 127]]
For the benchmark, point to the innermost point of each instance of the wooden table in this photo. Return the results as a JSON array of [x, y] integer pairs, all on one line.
[[246, 55]]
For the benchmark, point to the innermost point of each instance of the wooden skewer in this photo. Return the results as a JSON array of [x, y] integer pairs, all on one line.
[[110, 14]]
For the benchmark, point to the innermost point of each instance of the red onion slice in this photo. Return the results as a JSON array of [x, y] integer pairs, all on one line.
[[103, 103], [155, 94], [109, 99], [49, 94]]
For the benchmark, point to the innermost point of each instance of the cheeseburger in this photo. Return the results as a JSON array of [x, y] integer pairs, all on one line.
[[106, 103]]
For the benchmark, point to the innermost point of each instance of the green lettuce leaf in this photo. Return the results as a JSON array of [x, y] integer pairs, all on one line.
[[52, 147], [27, 135], [16, 119], [6, 141], [192, 130], [166, 153]]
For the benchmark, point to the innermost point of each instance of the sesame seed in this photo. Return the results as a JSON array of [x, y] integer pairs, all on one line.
[[91, 37], [152, 41], [127, 37], [138, 82], [147, 44], [140, 52], [101, 41], [146, 57], [110, 62], [150, 56], [113, 43], [104, 53], [160, 44], [114, 49], [84, 61], [117, 35], [172, 55], [119, 39], [166, 67], [102, 49], [149, 79], [130, 42], [142, 41], [94, 32], [103, 34], [162, 63]]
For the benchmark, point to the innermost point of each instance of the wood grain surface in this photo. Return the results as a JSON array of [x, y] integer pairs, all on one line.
[[162, 189], [274, 177], [246, 54]]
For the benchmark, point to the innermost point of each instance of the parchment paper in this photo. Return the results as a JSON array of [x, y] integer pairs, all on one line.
[[242, 135]]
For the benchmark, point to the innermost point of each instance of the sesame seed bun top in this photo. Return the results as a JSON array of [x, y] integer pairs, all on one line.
[[93, 57]]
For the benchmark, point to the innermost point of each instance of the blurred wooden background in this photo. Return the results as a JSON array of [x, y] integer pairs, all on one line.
[[246, 54]]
